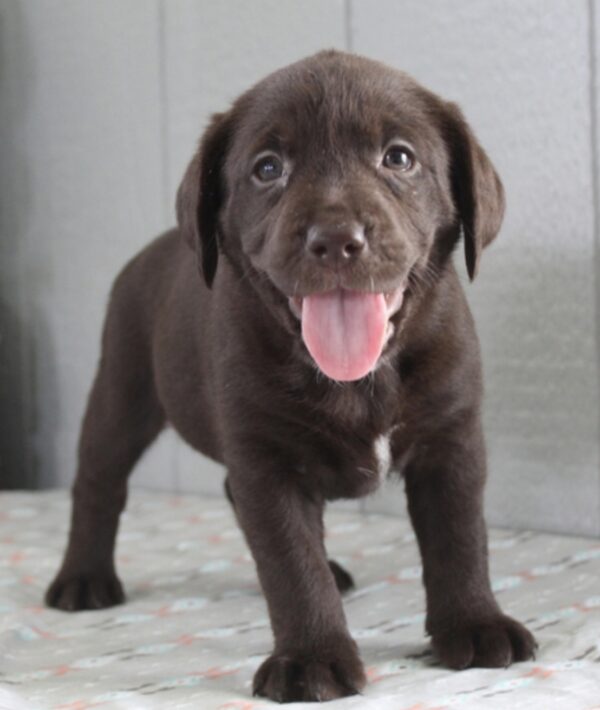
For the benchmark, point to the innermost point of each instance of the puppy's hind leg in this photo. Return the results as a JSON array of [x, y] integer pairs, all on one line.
[[343, 579], [123, 417]]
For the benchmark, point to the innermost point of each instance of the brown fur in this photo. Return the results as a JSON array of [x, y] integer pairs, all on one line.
[[223, 362]]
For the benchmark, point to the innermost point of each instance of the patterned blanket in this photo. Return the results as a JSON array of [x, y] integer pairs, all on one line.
[[195, 626]]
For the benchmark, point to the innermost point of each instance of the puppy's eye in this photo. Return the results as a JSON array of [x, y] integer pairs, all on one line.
[[399, 157], [268, 168]]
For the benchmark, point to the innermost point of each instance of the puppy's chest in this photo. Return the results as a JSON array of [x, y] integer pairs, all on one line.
[[357, 445], [355, 466], [382, 454], [388, 453]]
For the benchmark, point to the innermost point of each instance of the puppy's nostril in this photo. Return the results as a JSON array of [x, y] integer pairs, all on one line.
[[352, 249], [319, 250]]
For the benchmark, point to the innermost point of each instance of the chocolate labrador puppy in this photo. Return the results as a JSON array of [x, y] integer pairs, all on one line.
[[327, 344]]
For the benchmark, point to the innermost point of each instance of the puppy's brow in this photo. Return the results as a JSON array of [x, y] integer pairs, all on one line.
[[269, 140], [398, 130]]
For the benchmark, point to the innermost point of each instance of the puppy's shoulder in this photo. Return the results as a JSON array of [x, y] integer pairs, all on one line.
[[442, 350]]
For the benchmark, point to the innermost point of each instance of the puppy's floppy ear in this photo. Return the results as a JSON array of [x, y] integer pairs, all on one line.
[[202, 193], [476, 188]]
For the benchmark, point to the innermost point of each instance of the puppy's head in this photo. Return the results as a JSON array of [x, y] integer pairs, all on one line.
[[339, 186]]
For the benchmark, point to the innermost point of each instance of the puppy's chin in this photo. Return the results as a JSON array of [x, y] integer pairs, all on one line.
[[346, 331]]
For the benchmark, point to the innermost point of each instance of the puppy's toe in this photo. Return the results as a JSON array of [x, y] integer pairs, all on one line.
[[288, 678], [78, 592], [343, 579], [495, 643]]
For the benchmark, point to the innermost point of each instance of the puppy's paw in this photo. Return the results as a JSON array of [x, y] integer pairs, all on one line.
[[288, 678], [343, 580], [495, 643], [85, 591]]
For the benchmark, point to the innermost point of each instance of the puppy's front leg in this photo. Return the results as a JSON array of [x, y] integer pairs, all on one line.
[[444, 485], [314, 657]]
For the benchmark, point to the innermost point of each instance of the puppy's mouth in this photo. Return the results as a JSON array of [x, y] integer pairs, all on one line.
[[346, 331]]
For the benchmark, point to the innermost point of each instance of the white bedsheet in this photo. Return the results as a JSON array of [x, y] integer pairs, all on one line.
[[195, 626]]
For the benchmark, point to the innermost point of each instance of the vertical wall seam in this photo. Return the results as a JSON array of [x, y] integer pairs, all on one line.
[[595, 196], [362, 505], [19, 352], [163, 113], [348, 25], [167, 198]]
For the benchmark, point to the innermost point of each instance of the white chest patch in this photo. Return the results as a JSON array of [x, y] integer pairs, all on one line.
[[383, 455]]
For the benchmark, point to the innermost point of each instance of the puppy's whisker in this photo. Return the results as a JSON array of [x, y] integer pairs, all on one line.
[[424, 278]]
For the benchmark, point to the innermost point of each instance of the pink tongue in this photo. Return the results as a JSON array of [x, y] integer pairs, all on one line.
[[344, 331]]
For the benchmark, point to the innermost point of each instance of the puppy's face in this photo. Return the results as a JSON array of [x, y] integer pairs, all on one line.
[[340, 185]]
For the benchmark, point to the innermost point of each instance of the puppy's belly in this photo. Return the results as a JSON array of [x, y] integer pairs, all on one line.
[[187, 400]]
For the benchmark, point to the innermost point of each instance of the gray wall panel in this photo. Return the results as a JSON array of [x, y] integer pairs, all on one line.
[[101, 107], [83, 137], [521, 72]]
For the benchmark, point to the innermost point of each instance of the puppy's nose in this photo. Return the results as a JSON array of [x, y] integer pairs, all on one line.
[[336, 245]]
